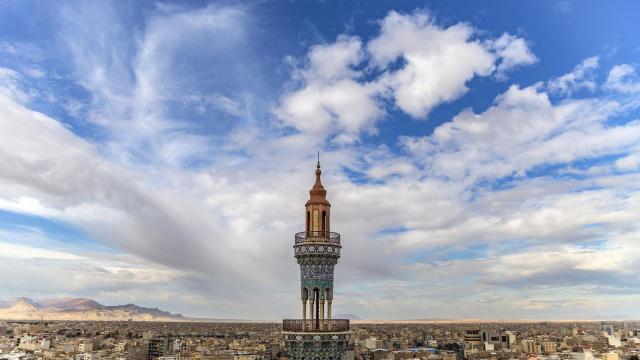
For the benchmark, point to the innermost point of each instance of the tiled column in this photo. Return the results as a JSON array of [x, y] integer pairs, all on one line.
[[304, 309]]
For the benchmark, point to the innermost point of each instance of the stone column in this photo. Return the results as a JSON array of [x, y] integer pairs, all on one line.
[[329, 309], [304, 309], [321, 315], [311, 309]]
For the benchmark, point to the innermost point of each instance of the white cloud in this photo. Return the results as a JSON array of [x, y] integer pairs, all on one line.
[[20, 49], [513, 52], [581, 77], [412, 60], [15, 251], [341, 106], [138, 82], [331, 99], [623, 78], [335, 61], [10, 85], [55, 174], [437, 62], [521, 131], [226, 104], [629, 163], [386, 169]]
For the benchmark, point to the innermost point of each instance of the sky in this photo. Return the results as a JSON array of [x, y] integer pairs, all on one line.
[[482, 159]]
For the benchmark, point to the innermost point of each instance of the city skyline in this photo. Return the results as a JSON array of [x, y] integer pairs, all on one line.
[[482, 159]]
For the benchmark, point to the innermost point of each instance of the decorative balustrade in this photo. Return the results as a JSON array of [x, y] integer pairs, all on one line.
[[327, 325], [318, 236]]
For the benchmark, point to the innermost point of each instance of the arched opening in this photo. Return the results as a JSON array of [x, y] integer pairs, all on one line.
[[324, 222], [308, 222], [328, 295], [305, 297], [316, 296]]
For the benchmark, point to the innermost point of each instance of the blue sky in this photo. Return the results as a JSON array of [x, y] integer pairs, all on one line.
[[482, 159]]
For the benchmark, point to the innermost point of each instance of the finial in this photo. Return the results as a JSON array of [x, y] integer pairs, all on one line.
[[318, 165]]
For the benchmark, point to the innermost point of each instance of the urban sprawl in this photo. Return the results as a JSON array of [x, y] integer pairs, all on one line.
[[79, 340]]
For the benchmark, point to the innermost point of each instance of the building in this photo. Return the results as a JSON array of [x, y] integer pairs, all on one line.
[[86, 346], [614, 341], [159, 347], [45, 344], [582, 355], [373, 343], [610, 356], [495, 340], [27, 342], [528, 346], [317, 335], [511, 339], [449, 355], [120, 347], [549, 347], [607, 328], [472, 338]]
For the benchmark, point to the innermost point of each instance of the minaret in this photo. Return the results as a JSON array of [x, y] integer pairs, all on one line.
[[317, 249]]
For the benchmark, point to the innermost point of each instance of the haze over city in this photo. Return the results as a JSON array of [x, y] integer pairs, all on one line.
[[482, 159]]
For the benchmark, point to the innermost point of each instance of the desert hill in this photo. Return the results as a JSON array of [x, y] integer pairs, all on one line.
[[80, 309]]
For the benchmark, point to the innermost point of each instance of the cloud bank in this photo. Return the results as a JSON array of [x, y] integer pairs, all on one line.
[[176, 176]]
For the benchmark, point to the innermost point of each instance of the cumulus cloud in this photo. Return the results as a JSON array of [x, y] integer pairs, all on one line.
[[581, 77], [331, 99], [623, 78], [335, 61], [513, 52], [521, 131], [437, 62], [413, 61]]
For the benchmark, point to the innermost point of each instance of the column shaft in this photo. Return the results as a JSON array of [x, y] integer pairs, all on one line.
[[304, 309], [329, 309]]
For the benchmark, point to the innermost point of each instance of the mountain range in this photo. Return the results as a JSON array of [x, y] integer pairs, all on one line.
[[80, 309], [83, 309]]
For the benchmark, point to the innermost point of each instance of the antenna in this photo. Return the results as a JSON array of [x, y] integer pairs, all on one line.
[[318, 166]]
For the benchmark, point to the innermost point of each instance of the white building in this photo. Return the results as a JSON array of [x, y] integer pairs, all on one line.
[[614, 340], [584, 355]]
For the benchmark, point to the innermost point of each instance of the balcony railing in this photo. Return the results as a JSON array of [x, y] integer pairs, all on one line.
[[327, 325], [318, 236]]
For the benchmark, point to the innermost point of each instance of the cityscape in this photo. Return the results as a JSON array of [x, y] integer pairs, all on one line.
[[249, 341], [319, 180]]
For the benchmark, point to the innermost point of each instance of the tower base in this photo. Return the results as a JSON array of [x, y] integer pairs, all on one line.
[[317, 345]]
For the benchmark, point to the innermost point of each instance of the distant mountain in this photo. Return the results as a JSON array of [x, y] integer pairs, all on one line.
[[80, 309], [346, 316], [21, 301], [71, 304]]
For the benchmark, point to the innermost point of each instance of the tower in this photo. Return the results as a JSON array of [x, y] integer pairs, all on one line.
[[317, 336]]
